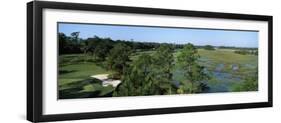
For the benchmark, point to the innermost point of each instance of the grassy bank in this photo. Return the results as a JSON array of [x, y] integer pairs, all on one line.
[[74, 79]]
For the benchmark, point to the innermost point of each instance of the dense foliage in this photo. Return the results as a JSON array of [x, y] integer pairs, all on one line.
[[149, 75], [69, 44], [193, 72], [118, 59]]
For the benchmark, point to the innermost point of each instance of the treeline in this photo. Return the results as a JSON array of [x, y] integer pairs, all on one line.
[[209, 47], [69, 44], [237, 48], [100, 46], [242, 51], [246, 52], [73, 44]]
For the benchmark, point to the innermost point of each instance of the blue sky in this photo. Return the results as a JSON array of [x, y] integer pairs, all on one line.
[[164, 35]]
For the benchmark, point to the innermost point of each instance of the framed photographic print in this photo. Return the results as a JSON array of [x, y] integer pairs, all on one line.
[[95, 61]]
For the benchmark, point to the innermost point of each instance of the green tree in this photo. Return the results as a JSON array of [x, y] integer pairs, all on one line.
[[90, 45], [149, 74], [163, 64], [101, 50], [67, 44], [249, 84], [118, 57], [75, 37], [193, 72], [98, 47], [62, 43], [138, 78]]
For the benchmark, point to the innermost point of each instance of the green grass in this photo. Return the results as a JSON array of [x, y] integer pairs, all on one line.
[[78, 70], [74, 74], [82, 70], [227, 56]]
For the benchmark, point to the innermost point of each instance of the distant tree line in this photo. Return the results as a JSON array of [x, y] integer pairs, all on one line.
[[237, 48], [100, 46], [209, 47], [246, 52]]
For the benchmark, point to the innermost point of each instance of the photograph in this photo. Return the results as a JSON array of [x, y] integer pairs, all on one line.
[[110, 60]]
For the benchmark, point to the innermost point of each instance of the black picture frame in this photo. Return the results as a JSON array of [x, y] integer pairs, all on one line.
[[35, 69]]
